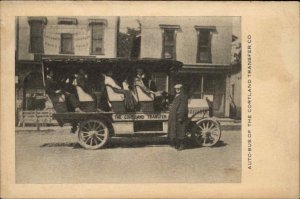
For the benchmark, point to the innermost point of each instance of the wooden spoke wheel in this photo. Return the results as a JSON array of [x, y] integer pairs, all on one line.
[[93, 134], [208, 132]]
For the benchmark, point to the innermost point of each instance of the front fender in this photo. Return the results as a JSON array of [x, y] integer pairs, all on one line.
[[199, 114]]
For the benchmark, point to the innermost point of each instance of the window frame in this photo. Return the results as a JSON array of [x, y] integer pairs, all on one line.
[[92, 25], [31, 21], [164, 76], [210, 30], [61, 44], [173, 28]]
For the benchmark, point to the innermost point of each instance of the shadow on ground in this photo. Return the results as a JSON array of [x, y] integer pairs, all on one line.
[[61, 144], [132, 142], [220, 143]]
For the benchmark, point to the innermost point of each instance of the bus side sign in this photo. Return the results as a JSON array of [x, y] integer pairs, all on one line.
[[140, 116]]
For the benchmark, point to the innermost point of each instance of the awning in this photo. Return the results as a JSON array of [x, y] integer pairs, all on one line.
[[206, 68]]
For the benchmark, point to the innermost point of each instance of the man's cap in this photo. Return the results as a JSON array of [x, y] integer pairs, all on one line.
[[177, 85]]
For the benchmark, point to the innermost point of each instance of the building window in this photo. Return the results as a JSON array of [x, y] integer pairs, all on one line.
[[169, 41], [36, 36], [161, 81], [169, 44], [97, 47], [66, 45], [204, 44]]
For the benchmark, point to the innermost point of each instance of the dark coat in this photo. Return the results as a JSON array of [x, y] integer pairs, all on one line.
[[178, 117], [51, 86]]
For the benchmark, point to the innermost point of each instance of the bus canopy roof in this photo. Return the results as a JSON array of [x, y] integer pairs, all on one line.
[[103, 64]]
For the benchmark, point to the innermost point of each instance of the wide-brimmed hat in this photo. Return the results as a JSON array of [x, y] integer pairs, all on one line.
[[178, 86]]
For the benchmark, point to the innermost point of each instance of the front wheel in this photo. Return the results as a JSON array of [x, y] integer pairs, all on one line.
[[93, 134], [207, 132]]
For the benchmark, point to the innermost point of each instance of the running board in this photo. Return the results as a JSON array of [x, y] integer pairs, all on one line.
[[150, 132], [143, 133]]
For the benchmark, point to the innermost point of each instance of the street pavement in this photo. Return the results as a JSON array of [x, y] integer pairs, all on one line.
[[55, 157]]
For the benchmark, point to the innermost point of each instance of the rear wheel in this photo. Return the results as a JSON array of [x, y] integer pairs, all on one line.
[[93, 134], [207, 133]]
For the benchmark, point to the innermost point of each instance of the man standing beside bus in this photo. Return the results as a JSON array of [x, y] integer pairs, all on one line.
[[178, 117]]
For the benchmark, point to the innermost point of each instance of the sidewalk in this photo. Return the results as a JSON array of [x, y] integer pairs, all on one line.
[[229, 124], [42, 128]]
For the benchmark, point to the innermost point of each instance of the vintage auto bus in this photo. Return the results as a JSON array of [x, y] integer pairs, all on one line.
[[107, 116]]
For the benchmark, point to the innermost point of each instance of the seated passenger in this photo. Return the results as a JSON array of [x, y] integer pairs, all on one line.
[[108, 80], [129, 100], [57, 94], [145, 83], [84, 91], [68, 86]]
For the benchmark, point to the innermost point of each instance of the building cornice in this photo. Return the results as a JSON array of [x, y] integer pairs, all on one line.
[[167, 26], [98, 22], [42, 19]]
